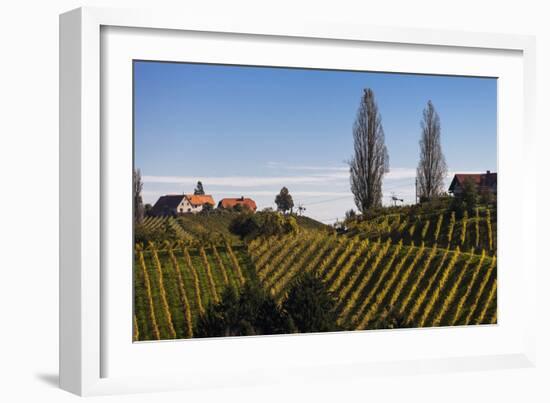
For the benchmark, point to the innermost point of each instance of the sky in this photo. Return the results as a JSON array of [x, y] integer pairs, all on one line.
[[248, 131]]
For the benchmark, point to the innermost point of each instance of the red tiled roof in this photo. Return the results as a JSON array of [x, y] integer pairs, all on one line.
[[232, 202], [488, 179], [198, 200]]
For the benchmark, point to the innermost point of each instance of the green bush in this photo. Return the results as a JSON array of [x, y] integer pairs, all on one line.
[[248, 225], [250, 312], [310, 306]]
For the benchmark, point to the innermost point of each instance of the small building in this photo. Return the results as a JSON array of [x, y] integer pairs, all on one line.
[[171, 205], [486, 182], [245, 202]]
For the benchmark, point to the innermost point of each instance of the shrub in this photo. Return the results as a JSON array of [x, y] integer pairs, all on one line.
[[250, 312], [310, 306], [248, 225], [244, 225]]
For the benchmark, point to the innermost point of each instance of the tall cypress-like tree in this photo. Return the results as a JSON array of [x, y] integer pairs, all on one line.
[[139, 210], [370, 160], [432, 168]]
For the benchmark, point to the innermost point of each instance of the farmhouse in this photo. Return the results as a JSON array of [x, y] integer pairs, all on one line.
[[171, 205], [240, 201], [486, 182]]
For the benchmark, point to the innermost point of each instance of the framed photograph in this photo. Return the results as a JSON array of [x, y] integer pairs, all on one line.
[[249, 199]]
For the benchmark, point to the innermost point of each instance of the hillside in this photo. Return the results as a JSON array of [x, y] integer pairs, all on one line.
[[442, 228], [426, 285], [174, 283], [430, 286], [209, 227]]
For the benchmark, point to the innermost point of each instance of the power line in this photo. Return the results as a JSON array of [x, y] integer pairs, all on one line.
[[328, 200]]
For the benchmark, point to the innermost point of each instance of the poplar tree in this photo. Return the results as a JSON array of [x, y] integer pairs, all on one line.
[[370, 160], [432, 168]]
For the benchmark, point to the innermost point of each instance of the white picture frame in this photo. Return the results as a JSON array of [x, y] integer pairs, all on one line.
[[91, 346]]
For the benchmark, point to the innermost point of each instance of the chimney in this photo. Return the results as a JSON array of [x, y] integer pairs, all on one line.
[[488, 172]]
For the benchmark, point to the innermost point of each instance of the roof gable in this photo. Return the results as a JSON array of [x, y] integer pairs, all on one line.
[[166, 203], [232, 202], [488, 179], [198, 200]]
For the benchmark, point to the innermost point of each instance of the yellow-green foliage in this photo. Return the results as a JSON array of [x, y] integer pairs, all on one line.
[[183, 294], [477, 228], [439, 288], [425, 229], [427, 285], [414, 311], [380, 254], [463, 228], [481, 288], [452, 221], [388, 266], [135, 334], [412, 228], [151, 306], [261, 259], [488, 302], [209, 275], [196, 280], [489, 229], [462, 300], [438, 227], [364, 320], [162, 290], [279, 254], [405, 277], [452, 293], [341, 258], [235, 263], [219, 261], [343, 271], [418, 277], [402, 225], [286, 273]]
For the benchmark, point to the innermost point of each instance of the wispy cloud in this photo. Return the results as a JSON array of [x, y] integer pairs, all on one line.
[[239, 181], [320, 168], [269, 193], [400, 173], [340, 171]]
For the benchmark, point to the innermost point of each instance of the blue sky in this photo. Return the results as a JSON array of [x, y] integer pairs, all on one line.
[[251, 130]]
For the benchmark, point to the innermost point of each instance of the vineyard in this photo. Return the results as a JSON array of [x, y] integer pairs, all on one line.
[[200, 227], [443, 229], [173, 284], [429, 285]]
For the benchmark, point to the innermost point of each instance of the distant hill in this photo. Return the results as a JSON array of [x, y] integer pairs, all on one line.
[[311, 224], [206, 226]]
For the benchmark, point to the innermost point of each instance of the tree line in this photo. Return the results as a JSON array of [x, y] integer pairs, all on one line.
[[370, 160]]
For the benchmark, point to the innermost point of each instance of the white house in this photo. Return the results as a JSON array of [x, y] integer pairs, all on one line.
[[170, 205]]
